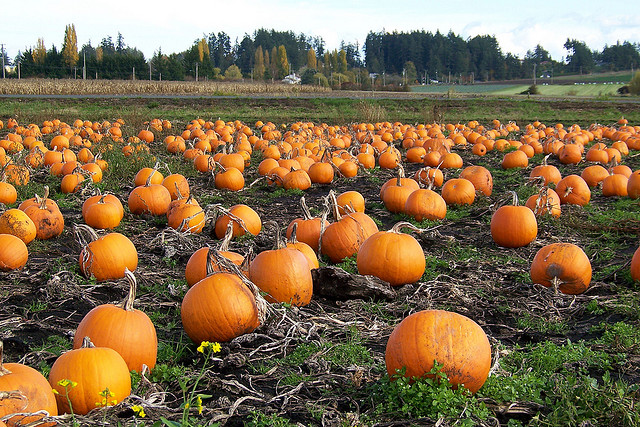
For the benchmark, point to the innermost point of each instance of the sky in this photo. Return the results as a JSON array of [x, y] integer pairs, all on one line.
[[174, 26]]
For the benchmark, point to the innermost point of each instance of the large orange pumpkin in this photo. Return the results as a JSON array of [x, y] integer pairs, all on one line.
[[107, 257], [450, 339]]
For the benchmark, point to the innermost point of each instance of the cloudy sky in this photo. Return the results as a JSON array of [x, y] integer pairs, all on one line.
[[174, 26]]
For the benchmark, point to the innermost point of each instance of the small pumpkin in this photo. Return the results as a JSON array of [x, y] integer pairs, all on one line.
[[513, 226], [309, 227], [16, 222], [13, 252], [46, 216], [93, 370], [458, 191], [244, 219], [103, 211], [480, 177], [572, 189]]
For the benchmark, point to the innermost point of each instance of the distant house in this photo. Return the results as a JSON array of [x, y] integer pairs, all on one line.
[[292, 79]]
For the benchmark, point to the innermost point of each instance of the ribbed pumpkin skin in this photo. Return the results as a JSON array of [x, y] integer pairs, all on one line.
[[218, 308], [480, 177], [513, 226], [564, 261], [425, 204], [396, 258], [130, 333], [107, 257], [344, 237], [451, 339], [284, 274], [94, 369], [13, 252], [33, 385], [250, 217]]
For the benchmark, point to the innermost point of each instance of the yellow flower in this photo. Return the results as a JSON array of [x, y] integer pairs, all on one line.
[[67, 383], [138, 410], [203, 345], [55, 391], [186, 406], [199, 404], [215, 347]]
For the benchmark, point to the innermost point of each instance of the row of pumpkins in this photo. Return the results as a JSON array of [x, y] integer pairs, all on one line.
[[563, 266]]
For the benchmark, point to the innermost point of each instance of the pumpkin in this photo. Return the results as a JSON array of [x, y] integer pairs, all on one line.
[[219, 308], [480, 177], [515, 159], [123, 328], [150, 175], [177, 185], [46, 216], [197, 265], [107, 257], [16, 222], [309, 227], [615, 185], [296, 179], [186, 216], [563, 266], [244, 219], [72, 182], [513, 226], [635, 265], [456, 342], [307, 251], [103, 211], [401, 180], [321, 172], [8, 193], [633, 185], [101, 375], [545, 202], [570, 154], [548, 173], [283, 274], [395, 196], [392, 256], [425, 204], [13, 252], [229, 178], [458, 191], [593, 175], [27, 392], [343, 238], [153, 199], [572, 189], [351, 198]]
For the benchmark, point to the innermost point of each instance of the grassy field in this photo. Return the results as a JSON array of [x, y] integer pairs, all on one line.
[[590, 90], [556, 360]]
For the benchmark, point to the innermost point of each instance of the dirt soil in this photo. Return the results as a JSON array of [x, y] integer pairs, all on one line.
[[49, 298]]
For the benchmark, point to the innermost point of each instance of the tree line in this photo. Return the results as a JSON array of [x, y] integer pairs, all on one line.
[[399, 58]]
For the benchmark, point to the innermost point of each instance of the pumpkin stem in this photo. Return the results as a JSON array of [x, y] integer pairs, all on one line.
[[127, 304], [404, 224], [84, 234], [292, 238], [306, 213], [43, 201], [86, 343], [514, 200], [228, 236], [556, 282], [3, 370], [279, 244], [332, 202]]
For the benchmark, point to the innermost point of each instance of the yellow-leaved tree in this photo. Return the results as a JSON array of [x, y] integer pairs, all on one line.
[[70, 46]]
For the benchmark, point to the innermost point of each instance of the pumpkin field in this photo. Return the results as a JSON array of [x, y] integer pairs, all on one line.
[[333, 263]]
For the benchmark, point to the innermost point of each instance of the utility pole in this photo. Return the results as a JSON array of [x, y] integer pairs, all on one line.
[[534, 73], [84, 66], [18, 70], [2, 47], [196, 71], [149, 70], [133, 75]]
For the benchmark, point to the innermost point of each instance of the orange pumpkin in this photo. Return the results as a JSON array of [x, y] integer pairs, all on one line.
[[450, 339], [563, 266], [93, 370], [107, 257], [392, 256], [513, 226], [123, 328]]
